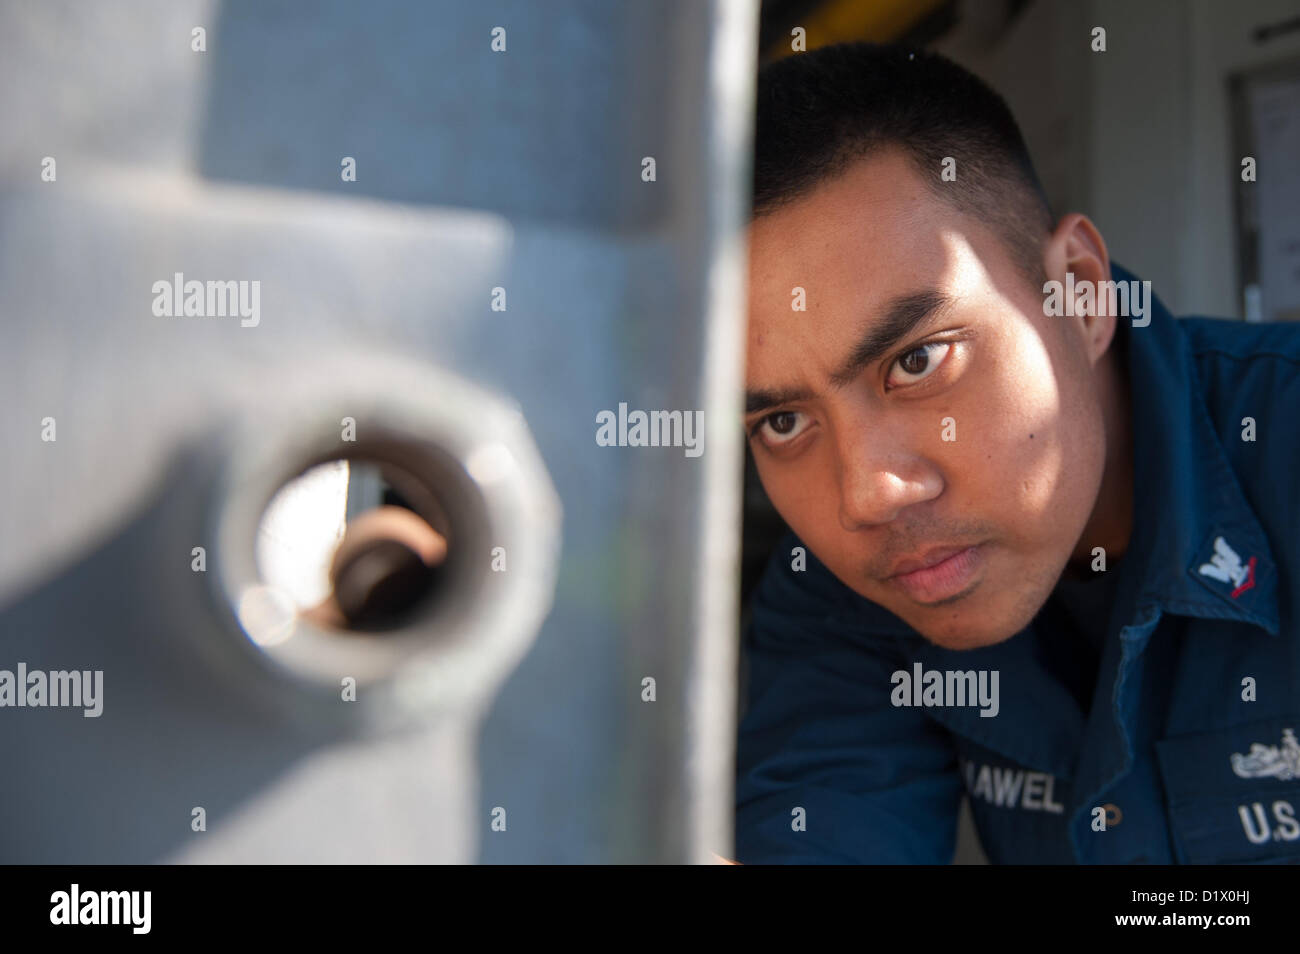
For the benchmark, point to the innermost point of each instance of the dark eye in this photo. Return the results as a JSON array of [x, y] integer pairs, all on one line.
[[914, 362], [782, 423], [920, 363], [782, 427]]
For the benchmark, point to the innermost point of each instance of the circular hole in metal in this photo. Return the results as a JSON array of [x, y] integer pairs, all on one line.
[[354, 545]]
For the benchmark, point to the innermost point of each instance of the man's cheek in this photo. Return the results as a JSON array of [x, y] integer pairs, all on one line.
[[1039, 479], [1021, 459]]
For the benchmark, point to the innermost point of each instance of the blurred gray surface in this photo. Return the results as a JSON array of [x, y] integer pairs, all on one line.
[[475, 169]]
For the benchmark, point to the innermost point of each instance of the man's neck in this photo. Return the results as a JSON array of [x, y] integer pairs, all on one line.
[[1111, 522]]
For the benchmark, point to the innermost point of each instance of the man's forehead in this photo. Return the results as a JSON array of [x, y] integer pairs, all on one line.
[[876, 218], [802, 274], [788, 302], [854, 210]]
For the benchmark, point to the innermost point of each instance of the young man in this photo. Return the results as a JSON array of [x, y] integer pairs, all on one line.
[[1044, 535]]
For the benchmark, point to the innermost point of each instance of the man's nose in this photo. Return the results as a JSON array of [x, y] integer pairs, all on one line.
[[880, 474]]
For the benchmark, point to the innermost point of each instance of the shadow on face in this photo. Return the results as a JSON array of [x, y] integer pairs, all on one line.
[[933, 437]]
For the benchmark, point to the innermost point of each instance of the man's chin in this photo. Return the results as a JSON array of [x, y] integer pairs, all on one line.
[[966, 639], [966, 630]]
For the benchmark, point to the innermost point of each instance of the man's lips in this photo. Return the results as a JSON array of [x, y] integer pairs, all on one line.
[[940, 574], [930, 558]]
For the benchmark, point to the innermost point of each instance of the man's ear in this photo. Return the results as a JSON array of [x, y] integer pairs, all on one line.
[[1076, 248]]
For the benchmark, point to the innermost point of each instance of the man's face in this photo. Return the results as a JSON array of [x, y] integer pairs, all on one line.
[[974, 423]]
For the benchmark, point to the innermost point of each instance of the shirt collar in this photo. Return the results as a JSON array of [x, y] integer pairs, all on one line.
[[1196, 540]]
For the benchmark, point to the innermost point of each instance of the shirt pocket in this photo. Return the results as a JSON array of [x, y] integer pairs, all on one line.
[[1234, 794]]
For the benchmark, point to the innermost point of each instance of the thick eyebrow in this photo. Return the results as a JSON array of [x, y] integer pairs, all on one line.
[[901, 318], [903, 315], [765, 398]]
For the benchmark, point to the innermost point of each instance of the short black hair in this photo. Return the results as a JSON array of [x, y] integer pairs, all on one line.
[[820, 111]]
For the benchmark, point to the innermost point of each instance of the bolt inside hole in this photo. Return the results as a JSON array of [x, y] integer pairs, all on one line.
[[341, 541], [388, 560]]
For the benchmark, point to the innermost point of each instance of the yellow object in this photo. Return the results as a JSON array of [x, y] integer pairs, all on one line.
[[841, 21]]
